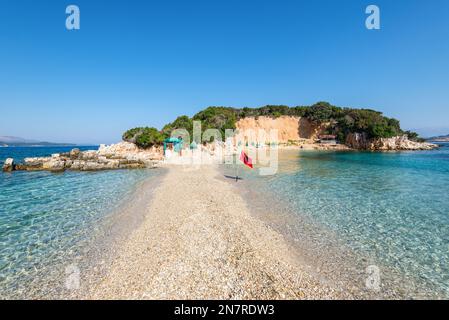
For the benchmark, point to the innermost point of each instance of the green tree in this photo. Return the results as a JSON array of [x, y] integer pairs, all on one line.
[[182, 122], [144, 137], [149, 137], [321, 112], [220, 118], [131, 134]]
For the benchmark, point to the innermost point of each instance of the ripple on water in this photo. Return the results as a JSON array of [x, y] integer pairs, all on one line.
[[48, 220], [392, 208]]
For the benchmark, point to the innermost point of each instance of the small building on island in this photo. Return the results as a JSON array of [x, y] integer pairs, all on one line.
[[327, 139]]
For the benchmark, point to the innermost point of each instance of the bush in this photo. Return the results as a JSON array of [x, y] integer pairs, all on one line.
[[414, 136], [144, 137], [182, 122], [371, 122], [298, 111], [321, 112], [131, 134], [220, 118]]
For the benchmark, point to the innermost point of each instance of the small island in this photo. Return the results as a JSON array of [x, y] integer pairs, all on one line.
[[321, 126]]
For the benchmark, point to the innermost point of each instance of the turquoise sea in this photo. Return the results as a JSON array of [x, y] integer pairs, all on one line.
[[48, 220], [391, 208]]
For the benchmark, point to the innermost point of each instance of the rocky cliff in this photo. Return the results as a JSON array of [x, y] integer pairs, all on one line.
[[289, 128], [361, 141]]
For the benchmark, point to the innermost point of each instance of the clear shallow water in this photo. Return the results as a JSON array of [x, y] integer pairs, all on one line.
[[392, 207], [48, 219]]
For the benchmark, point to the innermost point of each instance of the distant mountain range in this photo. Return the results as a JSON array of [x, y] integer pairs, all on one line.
[[440, 138], [16, 141]]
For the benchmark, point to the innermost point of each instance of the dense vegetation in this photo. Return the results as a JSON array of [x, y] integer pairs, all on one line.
[[271, 111], [144, 137], [182, 122], [220, 118], [371, 122], [340, 121]]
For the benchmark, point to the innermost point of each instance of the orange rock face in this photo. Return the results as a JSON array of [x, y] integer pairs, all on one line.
[[289, 128]]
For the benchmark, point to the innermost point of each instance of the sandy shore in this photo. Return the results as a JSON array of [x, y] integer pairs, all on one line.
[[199, 241]]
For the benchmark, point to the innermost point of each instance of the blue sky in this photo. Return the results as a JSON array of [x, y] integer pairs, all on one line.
[[137, 63]]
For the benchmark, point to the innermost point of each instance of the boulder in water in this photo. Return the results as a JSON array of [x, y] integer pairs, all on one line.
[[8, 166]]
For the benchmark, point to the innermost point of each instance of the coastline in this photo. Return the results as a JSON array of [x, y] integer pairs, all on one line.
[[192, 244], [227, 230]]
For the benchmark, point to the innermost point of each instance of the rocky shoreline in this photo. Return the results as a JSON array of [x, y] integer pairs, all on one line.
[[123, 155], [360, 141], [126, 155]]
